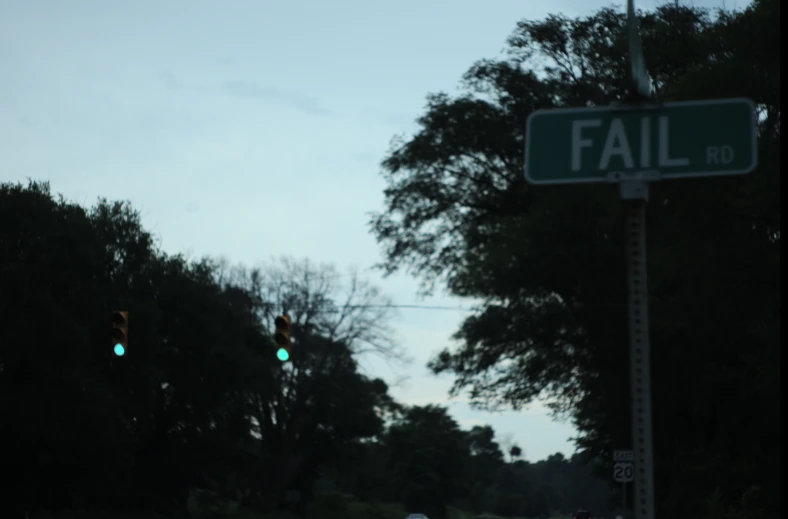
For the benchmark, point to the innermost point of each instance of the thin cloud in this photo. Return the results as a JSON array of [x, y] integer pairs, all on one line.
[[250, 90], [401, 121], [367, 158], [170, 80]]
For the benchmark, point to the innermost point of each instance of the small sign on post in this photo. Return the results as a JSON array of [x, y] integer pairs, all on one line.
[[624, 472], [623, 456], [624, 467]]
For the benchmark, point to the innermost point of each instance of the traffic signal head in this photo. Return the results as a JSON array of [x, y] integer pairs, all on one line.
[[120, 332], [282, 337]]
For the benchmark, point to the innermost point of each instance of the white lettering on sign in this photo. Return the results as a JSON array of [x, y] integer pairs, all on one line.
[[664, 158], [624, 472], [719, 155], [623, 456], [645, 143], [578, 142], [617, 145]]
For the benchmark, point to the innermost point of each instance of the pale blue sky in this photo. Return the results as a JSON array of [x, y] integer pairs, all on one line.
[[251, 129]]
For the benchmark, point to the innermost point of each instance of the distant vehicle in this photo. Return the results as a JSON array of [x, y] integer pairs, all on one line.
[[417, 516], [583, 514]]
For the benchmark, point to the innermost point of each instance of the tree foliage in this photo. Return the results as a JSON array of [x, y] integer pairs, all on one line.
[[199, 419], [198, 401], [548, 262]]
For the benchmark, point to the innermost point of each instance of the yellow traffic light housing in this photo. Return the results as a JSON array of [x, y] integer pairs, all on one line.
[[282, 337], [120, 332]]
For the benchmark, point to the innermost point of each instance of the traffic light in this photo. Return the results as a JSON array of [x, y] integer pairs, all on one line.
[[120, 332], [282, 337]]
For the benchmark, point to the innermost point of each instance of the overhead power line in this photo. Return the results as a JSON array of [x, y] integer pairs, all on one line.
[[419, 307], [339, 308]]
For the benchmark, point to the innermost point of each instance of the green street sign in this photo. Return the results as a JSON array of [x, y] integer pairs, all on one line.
[[673, 140]]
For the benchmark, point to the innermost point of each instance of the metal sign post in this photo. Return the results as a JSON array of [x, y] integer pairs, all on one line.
[[639, 352], [623, 498], [635, 193]]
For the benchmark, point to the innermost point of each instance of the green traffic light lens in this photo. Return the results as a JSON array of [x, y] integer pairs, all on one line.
[[119, 350], [282, 354]]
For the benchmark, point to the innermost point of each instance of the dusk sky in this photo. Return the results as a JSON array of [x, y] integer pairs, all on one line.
[[254, 129]]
